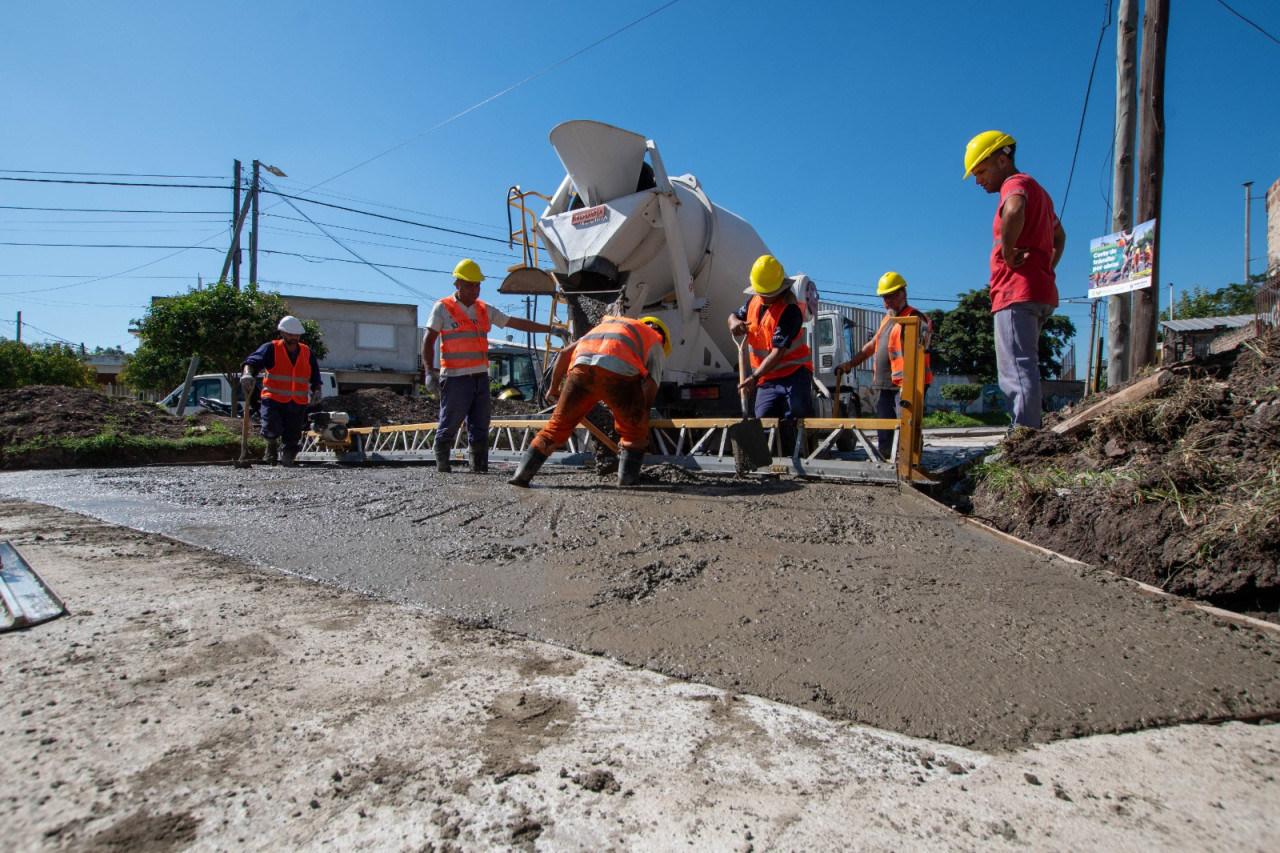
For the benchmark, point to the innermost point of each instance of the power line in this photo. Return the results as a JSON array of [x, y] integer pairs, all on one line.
[[108, 174], [494, 97], [1106, 22], [286, 196], [347, 197], [1247, 21], [117, 183], [375, 267], [109, 210], [279, 230]]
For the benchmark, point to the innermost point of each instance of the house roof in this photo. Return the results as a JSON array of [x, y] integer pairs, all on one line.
[[1208, 324]]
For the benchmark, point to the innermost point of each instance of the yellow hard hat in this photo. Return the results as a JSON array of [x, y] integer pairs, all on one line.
[[889, 282], [468, 270], [766, 275], [661, 328], [983, 146]]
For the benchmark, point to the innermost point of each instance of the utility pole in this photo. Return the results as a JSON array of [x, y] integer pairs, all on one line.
[[1119, 305], [252, 235], [235, 229], [1146, 302], [1247, 199], [19, 327]]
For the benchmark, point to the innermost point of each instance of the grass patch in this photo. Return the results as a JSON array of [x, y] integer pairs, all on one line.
[[117, 446], [946, 418]]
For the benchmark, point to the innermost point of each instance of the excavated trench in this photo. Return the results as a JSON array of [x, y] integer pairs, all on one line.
[[867, 603]]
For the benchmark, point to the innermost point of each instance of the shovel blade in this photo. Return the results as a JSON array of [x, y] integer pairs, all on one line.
[[750, 446]]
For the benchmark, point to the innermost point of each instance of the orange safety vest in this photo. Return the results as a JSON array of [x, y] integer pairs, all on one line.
[[896, 360], [286, 381], [468, 344], [622, 338], [760, 340]]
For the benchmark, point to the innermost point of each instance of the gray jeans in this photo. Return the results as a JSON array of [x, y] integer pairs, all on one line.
[[1017, 329]]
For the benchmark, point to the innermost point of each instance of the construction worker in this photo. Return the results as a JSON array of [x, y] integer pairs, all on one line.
[[1027, 243], [461, 323], [290, 383], [781, 363], [620, 362], [886, 346]]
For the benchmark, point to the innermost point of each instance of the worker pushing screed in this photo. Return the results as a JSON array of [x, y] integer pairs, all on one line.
[[887, 348], [461, 324], [290, 382], [781, 371], [619, 361]]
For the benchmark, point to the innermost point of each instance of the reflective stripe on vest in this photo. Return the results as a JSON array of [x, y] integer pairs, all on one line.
[[760, 341], [468, 344], [621, 338], [286, 381], [896, 361]]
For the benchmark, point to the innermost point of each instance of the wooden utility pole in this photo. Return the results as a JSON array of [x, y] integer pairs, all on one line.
[[1146, 302], [235, 227], [1119, 305], [252, 235], [1248, 197]]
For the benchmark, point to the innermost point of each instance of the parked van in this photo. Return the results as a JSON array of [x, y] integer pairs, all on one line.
[[214, 386]]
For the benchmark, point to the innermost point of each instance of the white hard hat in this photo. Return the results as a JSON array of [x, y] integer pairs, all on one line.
[[291, 325]]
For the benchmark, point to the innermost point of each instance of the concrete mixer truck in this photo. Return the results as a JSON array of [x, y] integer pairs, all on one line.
[[625, 238]]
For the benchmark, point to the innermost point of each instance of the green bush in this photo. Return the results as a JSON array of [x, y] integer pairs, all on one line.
[[965, 392], [42, 364]]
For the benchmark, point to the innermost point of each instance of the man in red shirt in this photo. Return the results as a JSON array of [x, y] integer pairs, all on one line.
[[1027, 243]]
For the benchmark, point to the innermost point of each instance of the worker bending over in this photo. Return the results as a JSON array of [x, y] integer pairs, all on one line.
[[290, 383], [620, 362], [461, 323], [886, 381]]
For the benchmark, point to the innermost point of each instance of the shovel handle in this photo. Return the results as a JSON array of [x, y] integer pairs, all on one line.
[[742, 377]]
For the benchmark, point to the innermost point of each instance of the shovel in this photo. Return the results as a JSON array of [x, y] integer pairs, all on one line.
[[243, 461], [750, 445]]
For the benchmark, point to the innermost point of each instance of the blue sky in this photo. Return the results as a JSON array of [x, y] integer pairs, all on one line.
[[836, 129]]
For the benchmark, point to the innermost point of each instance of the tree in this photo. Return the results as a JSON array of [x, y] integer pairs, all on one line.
[[964, 339], [42, 364], [1234, 298], [219, 323]]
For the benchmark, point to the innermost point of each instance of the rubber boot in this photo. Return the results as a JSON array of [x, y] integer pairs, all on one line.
[[443, 464], [272, 455], [480, 459], [629, 467], [529, 465], [290, 457]]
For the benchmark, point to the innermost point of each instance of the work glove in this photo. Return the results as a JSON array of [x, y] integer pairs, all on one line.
[[317, 394], [246, 382], [432, 382]]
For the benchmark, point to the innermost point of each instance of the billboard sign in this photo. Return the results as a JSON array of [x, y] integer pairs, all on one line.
[[1121, 262]]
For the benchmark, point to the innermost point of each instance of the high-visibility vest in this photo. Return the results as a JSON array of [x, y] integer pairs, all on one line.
[[760, 341], [621, 338], [288, 381], [896, 360], [468, 344]]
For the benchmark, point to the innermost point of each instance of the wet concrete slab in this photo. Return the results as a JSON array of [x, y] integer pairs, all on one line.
[[866, 603]]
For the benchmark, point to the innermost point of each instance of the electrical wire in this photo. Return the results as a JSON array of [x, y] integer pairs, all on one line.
[[306, 234], [118, 183], [1106, 22], [109, 174], [352, 251], [110, 210], [287, 197], [1249, 22], [497, 95]]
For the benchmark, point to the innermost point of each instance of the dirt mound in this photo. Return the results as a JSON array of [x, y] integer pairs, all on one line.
[[47, 412], [1180, 490], [379, 407]]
